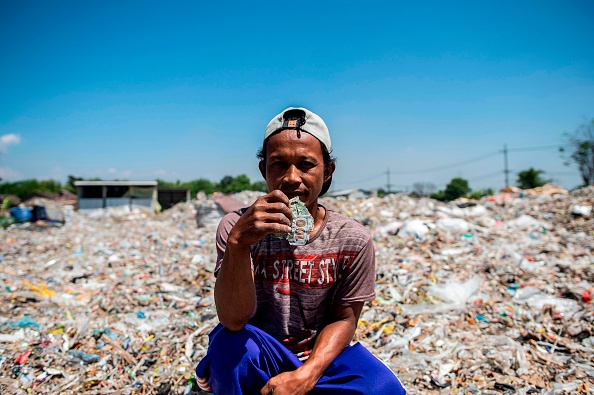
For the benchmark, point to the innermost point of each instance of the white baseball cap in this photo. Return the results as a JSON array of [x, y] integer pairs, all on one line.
[[301, 119]]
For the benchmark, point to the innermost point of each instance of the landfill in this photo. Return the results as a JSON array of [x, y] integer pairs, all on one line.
[[489, 296]]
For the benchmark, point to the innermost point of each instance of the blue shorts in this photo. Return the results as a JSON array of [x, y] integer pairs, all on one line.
[[241, 363]]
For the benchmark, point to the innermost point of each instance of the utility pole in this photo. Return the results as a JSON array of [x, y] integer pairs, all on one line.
[[388, 173], [506, 168]]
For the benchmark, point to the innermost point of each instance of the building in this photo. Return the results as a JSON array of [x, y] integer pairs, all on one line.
[[349, 194], [101, 194], [169, 197]]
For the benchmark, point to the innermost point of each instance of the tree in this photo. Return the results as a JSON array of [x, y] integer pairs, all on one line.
[[70, 183], [25, 189], [581, 151], [259, 186], [456, 188], [530, 178], [480, 193], [230, 184], [201, 184]]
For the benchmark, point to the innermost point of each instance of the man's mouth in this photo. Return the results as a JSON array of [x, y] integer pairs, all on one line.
[[292, 194]]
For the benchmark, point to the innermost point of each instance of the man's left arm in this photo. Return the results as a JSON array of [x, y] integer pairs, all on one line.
[[331, 341]]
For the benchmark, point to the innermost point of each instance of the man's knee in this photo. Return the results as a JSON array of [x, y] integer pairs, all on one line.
[[231, 347], [373, 375]]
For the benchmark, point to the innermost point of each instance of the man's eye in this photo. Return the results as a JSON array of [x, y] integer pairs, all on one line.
[[307, 165]]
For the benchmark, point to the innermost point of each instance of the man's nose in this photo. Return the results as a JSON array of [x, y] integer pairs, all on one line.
[[292, 176]]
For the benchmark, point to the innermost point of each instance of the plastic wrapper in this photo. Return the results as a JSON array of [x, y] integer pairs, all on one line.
[[301, 225]]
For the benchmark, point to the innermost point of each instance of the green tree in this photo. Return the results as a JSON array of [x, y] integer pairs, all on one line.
[[456, 188], [225, 184], [24, 189], [201, 184], [530, 178], [235, 184], [165, 184], [259, 186], [70, 183], [581, 151]]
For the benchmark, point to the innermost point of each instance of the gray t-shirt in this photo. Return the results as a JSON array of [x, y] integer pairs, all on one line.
[[297, 286]]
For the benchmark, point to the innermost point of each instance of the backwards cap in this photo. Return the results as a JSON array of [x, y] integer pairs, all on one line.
[[301, 119]]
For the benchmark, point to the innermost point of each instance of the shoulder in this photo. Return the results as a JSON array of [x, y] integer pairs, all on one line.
[[341, 226], [231, 217], [229, 220]]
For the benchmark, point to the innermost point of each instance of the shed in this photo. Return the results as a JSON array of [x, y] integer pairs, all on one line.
[[169, 197], [101, 194]]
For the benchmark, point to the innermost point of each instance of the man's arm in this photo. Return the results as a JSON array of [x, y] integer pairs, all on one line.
[[235, 294], [331, 341]]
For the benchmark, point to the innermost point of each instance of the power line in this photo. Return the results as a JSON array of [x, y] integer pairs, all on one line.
[[484, 176], [506, 170], [445, 167], [362, 180], [560, 173], [541, 148]]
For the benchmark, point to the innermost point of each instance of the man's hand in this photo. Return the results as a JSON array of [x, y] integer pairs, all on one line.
[[269, 214], [331, 341], [288, 383]]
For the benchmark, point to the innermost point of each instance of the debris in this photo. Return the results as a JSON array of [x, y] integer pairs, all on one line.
[[585, 211], [487, 296]]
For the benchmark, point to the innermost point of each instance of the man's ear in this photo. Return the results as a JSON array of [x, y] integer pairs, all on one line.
[[329, 170], [262, 167]]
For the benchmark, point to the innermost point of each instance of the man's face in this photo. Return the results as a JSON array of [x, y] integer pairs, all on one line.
[[295, 165]]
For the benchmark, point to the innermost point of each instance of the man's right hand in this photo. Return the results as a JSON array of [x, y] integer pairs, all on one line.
[[269, 214]]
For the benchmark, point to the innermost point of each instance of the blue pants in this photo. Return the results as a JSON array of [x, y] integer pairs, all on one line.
[[241, 363]]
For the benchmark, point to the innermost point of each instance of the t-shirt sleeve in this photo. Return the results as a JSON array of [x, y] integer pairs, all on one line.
[[223, 231], [357, 283]]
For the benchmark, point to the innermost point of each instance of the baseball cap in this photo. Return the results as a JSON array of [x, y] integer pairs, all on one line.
[[302, 119]]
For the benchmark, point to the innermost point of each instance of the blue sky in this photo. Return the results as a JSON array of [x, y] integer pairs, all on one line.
[[184, 90]]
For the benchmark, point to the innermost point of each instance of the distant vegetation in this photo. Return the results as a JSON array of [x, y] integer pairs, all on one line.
[[24, 189], [457, 188], [228, 184], [531, 178], [581, 151]]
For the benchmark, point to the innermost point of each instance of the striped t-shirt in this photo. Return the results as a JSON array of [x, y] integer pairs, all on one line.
[[297, 286]]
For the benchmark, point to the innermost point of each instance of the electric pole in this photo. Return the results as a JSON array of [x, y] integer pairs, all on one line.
[[388, 173], [506, 168]]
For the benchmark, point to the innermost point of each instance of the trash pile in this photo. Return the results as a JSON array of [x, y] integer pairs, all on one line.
[[473, 297]]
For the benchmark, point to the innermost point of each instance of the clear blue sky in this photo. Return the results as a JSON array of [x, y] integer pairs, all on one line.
[[184, 90]]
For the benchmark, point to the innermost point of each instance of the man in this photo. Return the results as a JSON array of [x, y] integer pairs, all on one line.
[[289, 312]]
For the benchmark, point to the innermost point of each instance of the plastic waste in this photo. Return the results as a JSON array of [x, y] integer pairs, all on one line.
[[107, 266], [534, 297], [525, 222], [454, 291], [25, 322], [21, 214], [414, 229], [79, 356], [454, 225], [585, 211]]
